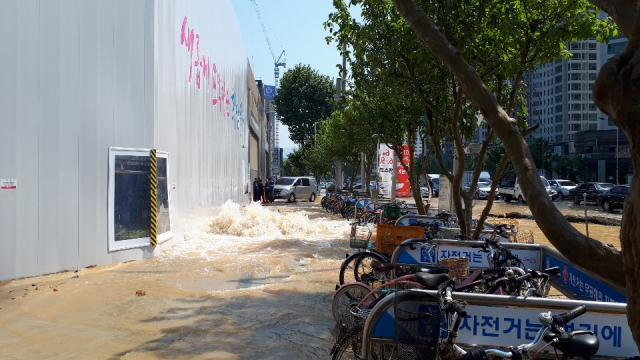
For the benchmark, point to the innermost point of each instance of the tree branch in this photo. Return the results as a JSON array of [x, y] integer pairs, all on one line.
[[623, 12], [570, 242]]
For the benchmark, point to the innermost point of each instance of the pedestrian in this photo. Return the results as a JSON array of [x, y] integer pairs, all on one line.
[[272, 185], [256, 192], [265, 193], [260, 192]]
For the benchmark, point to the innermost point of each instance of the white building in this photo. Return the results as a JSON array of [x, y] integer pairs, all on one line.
[[87, 89], [560, 93]]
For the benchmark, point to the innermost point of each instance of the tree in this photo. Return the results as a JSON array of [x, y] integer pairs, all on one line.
[[617, 93], [397, 79], [343, 137], [494, 156], [569, 167], [304, 98], [293, 165], [542, 154], [384, 49], [307, 160]]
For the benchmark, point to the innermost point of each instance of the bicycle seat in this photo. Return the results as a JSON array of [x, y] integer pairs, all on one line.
[[431, 269], [431, 281], [379, 266], [580, 343]]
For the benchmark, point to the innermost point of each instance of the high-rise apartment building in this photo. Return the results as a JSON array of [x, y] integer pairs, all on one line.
[[559, 93]]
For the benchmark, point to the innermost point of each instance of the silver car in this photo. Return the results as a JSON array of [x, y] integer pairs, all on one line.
[[293, 188], [562, 187], [482, 190]]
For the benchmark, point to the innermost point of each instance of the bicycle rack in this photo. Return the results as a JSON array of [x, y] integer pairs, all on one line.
[[502, 321]]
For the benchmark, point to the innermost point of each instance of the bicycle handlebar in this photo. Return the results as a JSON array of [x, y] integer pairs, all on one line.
[[455, 307], [474, 355], [522, 278], [553, 323], [564, 318]]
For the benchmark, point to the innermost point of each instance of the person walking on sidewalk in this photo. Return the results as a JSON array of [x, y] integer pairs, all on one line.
[[256, 193], [272, 185], [260, 192]]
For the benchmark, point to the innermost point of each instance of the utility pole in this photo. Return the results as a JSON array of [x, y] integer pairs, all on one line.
[[394, 174], [617, 154]]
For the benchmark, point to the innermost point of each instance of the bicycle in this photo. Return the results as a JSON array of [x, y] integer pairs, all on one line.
[[578, 343], [411, 345], [363, 296], [354, 345]]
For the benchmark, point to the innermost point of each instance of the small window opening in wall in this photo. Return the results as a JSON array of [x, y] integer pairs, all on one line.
[[130, 198]]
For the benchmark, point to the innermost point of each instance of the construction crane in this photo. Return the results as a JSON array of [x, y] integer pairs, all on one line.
[[277, 62]]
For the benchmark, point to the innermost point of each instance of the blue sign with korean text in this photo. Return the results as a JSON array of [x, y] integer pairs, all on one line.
[[581, 283]]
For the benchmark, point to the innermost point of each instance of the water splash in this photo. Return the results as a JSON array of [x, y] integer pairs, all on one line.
[[256, 221], [256, 229]]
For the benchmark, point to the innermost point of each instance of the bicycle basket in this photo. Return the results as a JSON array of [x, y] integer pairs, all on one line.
[[360, 236], [417, 316], [523, 237], [458, 267], [391, 211]]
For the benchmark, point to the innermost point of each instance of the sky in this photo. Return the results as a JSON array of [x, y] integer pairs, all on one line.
[[295, 26]]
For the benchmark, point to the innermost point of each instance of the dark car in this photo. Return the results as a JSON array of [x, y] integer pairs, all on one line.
[[592, 189], [614, 198], [331, 187]]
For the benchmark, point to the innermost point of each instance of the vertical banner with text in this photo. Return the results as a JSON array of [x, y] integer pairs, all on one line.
[[403, 186], [385, 169]]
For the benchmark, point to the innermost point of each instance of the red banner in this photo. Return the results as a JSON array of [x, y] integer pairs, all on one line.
[[403, 187]]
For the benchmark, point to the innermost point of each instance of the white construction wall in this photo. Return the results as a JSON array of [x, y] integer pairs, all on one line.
[[80, 76]]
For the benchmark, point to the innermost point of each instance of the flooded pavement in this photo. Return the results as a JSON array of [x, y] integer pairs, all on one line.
[[250, 282]]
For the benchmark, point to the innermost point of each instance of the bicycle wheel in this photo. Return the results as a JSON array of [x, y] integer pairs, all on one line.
[[368, 218], [347, 297], [347, 268], [364, 273], [350, 348], [383, 351]]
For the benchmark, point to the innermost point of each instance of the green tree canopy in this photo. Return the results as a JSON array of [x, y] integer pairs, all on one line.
[[304, 98]]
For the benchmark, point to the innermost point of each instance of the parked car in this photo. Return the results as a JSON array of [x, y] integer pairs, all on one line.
[[614, 198], [436, 185], [512, 191], [562, 187], [482, 190], [292, 188], [358, 187], [592, 189], [331, 187]]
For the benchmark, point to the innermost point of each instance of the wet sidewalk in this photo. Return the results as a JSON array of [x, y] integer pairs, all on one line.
[[209, 296]]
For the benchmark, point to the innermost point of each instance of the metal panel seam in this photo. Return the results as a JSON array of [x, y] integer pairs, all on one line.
[[78, 153], [39, 123]]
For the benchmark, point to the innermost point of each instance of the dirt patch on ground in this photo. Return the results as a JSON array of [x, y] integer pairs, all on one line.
[[600, 220]]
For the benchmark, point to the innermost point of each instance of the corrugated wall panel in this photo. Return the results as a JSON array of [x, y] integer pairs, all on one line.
[[207, 148], [80, 76], [96, 127], [58, 137], [19, 137]]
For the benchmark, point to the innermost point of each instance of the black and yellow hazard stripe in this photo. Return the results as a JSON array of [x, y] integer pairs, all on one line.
[[154, 198]]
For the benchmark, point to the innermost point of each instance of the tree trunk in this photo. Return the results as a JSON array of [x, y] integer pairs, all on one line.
[[578, 248], [617, 93]]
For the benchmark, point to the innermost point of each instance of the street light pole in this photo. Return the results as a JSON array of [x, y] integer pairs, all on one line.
[[375, 198], [617, 154], [315, 134]]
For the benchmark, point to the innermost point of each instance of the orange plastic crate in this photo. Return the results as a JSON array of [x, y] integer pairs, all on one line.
[[390, 236]]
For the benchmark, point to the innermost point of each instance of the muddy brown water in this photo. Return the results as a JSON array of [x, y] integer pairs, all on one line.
[[252, 282]]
